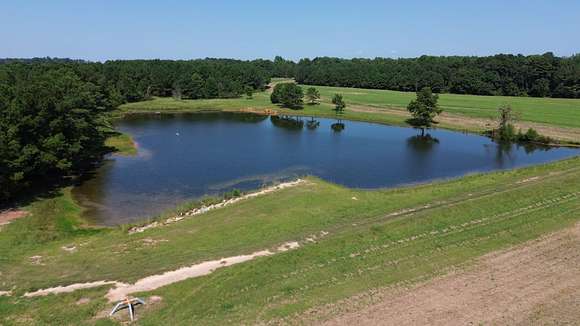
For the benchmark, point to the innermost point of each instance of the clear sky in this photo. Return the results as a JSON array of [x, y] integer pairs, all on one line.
[[247, 29]]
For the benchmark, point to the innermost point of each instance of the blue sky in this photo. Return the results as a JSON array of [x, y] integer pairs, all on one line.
[[179, 29]]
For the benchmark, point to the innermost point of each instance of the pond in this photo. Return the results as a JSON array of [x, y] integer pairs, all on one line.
[[186, 156]]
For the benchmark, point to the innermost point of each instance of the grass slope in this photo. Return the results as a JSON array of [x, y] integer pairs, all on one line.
[[366, 246]]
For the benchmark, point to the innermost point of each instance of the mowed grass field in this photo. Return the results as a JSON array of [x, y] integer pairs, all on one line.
[[553, 111], [372, 239]]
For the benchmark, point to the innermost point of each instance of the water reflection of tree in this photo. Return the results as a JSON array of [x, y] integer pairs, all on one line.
[[138, 119], [91, 191], [420, 149], [529, 148], [287, 122], [422, 143], [312, 124], [338, 126], [248, 117], [504, 151], [228, 116]]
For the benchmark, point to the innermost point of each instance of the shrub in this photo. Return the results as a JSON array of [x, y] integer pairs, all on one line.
[[288, 94]]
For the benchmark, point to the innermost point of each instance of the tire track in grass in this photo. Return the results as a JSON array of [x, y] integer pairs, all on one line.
[[405, 242], [367, 295], [529, 181], [449, 230]]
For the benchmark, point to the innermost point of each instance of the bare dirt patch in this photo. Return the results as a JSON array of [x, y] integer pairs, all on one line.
[[10, 215], [68, 288], [153, 282], [535, 283], [122, 290], [82, 301]]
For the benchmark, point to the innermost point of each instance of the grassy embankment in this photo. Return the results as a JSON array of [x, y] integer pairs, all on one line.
[[556, 118], [123, 144], [366, 247]]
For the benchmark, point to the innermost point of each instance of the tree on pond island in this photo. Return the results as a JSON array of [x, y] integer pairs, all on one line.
[[288, 94], [424, 108]]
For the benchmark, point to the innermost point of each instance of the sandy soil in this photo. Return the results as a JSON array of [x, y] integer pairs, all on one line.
[[533, 284], [151, 283], [68, 288], [8, 216], [559, 133], [122, 290]]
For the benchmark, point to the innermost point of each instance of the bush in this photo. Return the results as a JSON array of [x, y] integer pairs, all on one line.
[[507, 133], [288, 94], [232, 194], [532, 136]]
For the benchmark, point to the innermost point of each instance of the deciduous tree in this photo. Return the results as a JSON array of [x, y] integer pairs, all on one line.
[[288, 94], [424, 108]]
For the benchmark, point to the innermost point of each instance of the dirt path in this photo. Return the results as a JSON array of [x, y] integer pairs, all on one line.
[[463, 122], [153, 282], [537, 283], [9, 215], [69, 288]]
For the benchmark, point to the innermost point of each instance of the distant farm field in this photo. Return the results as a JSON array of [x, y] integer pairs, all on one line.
[[554, 111]]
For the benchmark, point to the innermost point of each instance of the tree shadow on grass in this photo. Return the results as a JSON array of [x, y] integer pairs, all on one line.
[[292, 107], [49, 187]]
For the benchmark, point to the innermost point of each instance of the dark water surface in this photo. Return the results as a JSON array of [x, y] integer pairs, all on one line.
[[186, 156]]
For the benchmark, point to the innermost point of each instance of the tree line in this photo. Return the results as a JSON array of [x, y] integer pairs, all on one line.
[[511, 75], [54, 113]]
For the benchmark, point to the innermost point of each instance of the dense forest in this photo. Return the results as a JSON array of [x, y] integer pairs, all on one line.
[[512, 75], [54, 112]]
